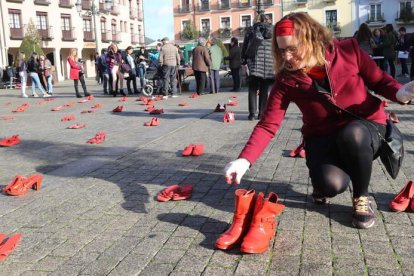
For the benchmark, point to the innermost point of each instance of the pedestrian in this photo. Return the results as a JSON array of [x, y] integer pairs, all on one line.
[[141, 62], [378, 36], [216, 55], [113, 61], [365, 39], [169, 61], [201, 65], [318, 74], [23, 73], [77, 72], [33, 68], [234, 59], [46, 74], [403, 49], [98, 72], [129, 59], [103, 67], [258, 56], [388, 49]]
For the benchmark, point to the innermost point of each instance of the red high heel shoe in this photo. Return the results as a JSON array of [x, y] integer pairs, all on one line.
[[153, 122], [10, 141], [7, 246], [21, 188], [298, 151], [15, 183], [168, 193], [188, 150], [98, 139], [401, 201], [194, 96], [149, 108], [184, 192], [68, 118], [119, 108]]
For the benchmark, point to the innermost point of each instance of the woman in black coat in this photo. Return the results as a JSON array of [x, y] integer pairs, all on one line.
[[235, 62]]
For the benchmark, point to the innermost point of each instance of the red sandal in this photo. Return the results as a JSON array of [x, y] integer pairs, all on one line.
[[10, 141], [7, 246], [98, 139], [184, 192], [22, 187], [168, 193], [15, 183]]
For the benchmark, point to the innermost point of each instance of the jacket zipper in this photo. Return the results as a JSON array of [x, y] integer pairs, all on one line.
[[329, 79]]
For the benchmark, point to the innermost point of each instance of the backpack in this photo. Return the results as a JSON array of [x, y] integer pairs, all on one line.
[[256, 36]]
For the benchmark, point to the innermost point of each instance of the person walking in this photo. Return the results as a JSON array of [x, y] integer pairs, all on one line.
[[201, 64], [132, 73], [33, 68], [23, 74], [403, 49], [317, 73], [234, 59], [77, 72], [260, 64], [216, 55], [169, 61], [141, 63], [103, 67]]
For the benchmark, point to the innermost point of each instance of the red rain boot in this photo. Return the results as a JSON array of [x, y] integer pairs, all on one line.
[[262, 228], [243, 210], [402, 201], [10, 141]]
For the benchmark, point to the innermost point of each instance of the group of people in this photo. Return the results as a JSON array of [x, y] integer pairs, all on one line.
[[40, 70], [385, 45]]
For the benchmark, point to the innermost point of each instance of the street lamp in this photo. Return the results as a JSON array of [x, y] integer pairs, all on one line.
[[92, 13]]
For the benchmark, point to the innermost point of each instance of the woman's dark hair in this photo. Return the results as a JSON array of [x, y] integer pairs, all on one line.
[[128, 48], [389, 28], [364, 33], [402, 29], [234, 40]]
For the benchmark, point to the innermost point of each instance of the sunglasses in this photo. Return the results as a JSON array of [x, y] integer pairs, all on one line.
[[288, 50]]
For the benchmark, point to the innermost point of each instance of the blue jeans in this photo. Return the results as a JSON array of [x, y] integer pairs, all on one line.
[[214, 81], [141, 73], [49, 84], [36, 82]]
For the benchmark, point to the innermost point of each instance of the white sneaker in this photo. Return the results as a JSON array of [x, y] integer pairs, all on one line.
[[45, 95], [164, 97], [24, 96], [35, 95], [174, 96]]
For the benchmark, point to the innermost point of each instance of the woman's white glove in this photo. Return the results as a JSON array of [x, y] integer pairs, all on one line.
[[234, 171], [406, 93]]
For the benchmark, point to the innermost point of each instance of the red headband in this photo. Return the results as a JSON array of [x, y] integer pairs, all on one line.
[[285, 27]]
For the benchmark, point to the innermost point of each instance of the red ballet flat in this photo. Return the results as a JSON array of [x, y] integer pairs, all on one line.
[[10, 141], [402, 201]]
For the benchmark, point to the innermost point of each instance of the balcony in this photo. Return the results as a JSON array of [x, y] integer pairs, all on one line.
[[203, 7], [267, 2], [377, 20], [300, 2], [15, 1], [86, 4], [223, 5], [42, 2], [115, 10], [16, 33], [405, 17], [334, 27], [45, 34], [183, 9], [68, 35], [242, 31], [88, 36], [106, 36], [225, 32], [245, 3], [133, 13], [205, 32], [66, 3], [116, 37], [102, 8]]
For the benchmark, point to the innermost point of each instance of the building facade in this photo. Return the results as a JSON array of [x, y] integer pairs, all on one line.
[[220, 18], [61, 28]]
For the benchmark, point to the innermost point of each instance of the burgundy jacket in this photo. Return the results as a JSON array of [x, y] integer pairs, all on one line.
[[350, 71]]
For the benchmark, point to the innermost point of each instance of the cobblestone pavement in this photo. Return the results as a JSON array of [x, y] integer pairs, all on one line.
[[96, 213]]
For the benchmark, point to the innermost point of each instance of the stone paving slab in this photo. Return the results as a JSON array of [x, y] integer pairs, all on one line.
[[96, 212]]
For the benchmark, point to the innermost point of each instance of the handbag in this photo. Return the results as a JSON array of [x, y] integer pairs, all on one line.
[[391, 150]]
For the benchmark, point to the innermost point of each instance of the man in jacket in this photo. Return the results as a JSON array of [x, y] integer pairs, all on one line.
[[235, 62], [216, 55], [169, 60], [201, 64]]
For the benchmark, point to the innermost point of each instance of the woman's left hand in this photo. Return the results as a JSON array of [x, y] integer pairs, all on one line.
[[406, 93]]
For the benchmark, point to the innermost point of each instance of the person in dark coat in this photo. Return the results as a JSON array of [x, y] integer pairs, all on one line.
[[260, 66], [403, 46], [201, 65], [388, 48], [235, 62]]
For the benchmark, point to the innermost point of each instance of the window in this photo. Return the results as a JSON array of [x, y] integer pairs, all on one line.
[[270, 17], [205, 25], [331, 19], [14, 19], [225, 22], [103, 25], [375, 12], [113, 30], [87, 25], [246, 21], [405, 5], [184, 24], [41, 20], [65, 22]]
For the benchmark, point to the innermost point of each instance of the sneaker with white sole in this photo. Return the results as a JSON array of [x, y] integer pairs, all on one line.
[[35, 95], [45, 95], [174, 96], [24, 96], [363, 216]]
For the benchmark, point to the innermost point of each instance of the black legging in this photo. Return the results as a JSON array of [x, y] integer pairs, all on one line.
[[336, 159], [256, 83], [82, 81]]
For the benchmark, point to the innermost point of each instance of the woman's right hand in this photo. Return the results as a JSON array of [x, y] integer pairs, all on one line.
[[234, 171]]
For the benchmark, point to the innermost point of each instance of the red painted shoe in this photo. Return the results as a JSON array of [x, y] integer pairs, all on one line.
[[393, 117], [10, 141], [123, 99], [401, 201], [140, 99], [58, 108], [97, 106], [32, 182], [183, 104], [198, 150], [168, 193], [188, 150], [233, 103], [159, 98], [149, 108], [83, 101], [184, 192], [299, 151], [69, 104], [76, 126], [153, 122], [385, 103], [150, 102], [412, 205], [17, 181], [220, 108], [157, 111], [194, 96], [6, 118], [90, 97], [68, 118], [7, 246], [119, 108], [21, 108], [98, 139], [144, 100], [229, 117]]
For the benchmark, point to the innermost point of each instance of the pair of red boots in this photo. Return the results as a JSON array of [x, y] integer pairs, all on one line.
[[404, 200], [7, 245], [193, 149], [20, 185], [153, 122], [175, 192], [10, 141], [253, 224]]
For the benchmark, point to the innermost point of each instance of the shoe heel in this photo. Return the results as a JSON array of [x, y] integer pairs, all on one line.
[[37, 181]]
